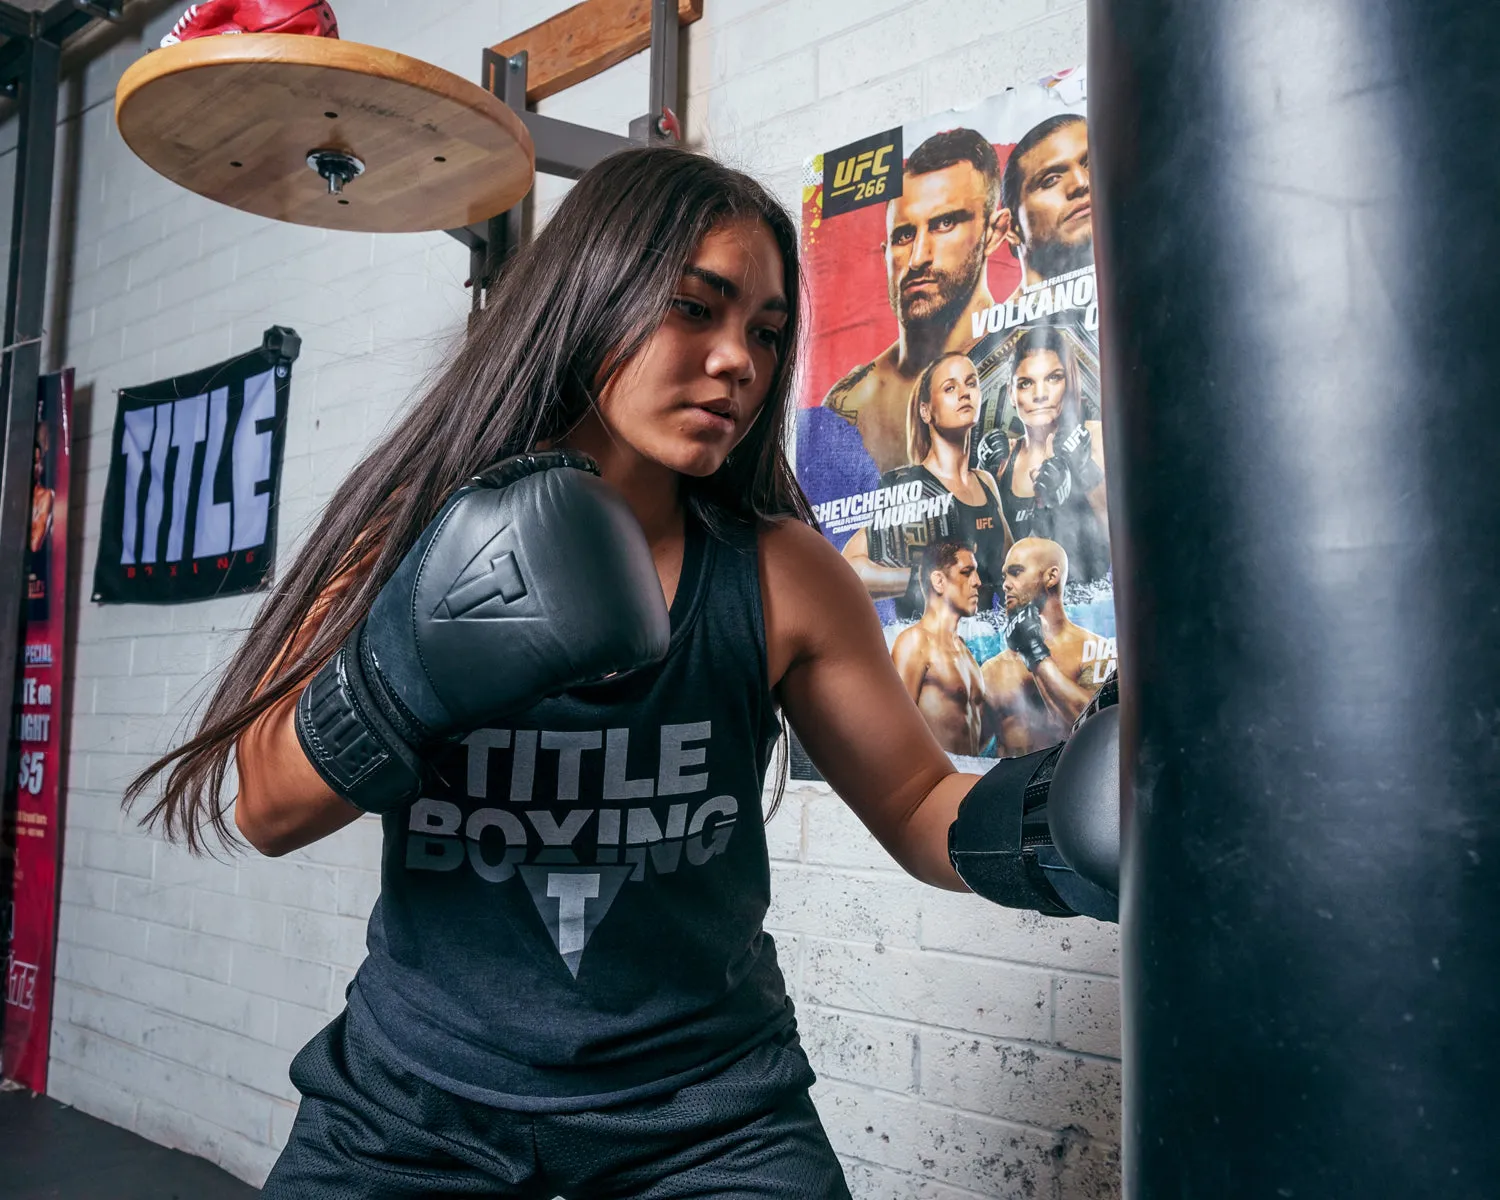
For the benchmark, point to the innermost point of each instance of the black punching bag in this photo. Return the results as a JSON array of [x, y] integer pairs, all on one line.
[[1297, 220]]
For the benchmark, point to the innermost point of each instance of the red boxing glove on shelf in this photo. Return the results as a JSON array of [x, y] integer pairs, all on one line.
[[214, 17]]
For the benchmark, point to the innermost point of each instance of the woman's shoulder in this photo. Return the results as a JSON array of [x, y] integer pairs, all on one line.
[[790, 540], [799, 565], [808, 592]]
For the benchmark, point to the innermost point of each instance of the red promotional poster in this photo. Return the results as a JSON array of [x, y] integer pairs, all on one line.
[[949, 435], [32, 840]]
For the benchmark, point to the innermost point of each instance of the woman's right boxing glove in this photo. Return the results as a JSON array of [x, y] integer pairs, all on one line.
[[533, 578]]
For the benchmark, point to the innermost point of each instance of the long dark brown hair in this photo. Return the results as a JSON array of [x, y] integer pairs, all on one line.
[[561, 319]]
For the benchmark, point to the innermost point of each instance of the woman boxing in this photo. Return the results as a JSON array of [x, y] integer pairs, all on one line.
[[561, 693]]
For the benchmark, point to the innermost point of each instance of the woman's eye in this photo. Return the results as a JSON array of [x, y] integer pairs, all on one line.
[[690, 308], [770, 336]]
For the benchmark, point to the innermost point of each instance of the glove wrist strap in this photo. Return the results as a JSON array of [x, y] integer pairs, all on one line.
[[989, 844], [350, 743]]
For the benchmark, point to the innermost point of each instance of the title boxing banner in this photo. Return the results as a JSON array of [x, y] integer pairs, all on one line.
[[949, 432], [32, 827], [190, 506]]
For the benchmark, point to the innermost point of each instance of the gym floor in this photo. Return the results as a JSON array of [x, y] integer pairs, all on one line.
[[53, 1152]]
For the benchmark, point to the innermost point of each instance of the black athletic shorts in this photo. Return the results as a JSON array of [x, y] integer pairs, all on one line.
[[367, 1128]]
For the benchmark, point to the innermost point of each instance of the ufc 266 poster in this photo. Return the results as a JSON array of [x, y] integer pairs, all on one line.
[[949, 429]]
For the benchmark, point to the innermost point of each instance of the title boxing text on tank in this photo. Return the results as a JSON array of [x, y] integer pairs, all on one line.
[[1042, 832], [536, 573]]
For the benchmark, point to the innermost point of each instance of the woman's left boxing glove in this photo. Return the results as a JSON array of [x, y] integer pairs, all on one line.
[[534, 578]]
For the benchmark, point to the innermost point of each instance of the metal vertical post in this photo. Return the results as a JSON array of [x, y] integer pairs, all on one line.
[[507, 231], [563, 148], [21, 356], [502, 235], [665, 31]]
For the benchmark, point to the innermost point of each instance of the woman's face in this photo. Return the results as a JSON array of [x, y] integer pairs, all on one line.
[[695, 388], [1040, 385], [953, 398]]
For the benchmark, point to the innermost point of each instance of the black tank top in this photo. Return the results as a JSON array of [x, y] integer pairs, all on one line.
[[1074, 526], [573, 918]]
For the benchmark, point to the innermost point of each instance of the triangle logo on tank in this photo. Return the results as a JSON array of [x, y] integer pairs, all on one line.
[[572, 901]]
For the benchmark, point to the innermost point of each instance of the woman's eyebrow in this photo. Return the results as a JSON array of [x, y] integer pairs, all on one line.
[[729, 289]]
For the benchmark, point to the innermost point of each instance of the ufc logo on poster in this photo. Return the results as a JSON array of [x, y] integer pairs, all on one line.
[[868, 171], [191, 501]]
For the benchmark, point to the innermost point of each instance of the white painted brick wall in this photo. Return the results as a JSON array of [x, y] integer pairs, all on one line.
[[964, 1051]]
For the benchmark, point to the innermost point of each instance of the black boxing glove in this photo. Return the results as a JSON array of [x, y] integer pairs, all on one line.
[[1042, 832], [1083, 799], [533, 578], [1053, 483], [1026, 637], [1076, 449], [1001, 825], [991, 452]]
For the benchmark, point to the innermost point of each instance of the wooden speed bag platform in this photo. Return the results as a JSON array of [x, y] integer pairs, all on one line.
[[319, 131]]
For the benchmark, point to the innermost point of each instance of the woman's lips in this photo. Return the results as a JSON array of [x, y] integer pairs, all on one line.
[[708, 418]]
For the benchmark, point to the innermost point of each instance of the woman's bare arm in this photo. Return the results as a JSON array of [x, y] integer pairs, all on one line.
[[283, 804], [843, 695]]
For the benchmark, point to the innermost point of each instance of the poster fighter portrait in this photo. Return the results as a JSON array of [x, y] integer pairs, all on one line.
[[950, 431]]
